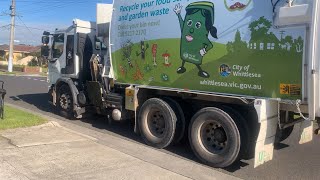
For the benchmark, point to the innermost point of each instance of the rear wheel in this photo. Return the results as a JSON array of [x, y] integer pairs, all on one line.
[[181, 121], [214, 137], [65, 102], [245, 135], [157, 122]]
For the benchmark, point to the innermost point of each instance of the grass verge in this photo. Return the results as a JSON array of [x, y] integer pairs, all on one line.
[[7, 73], [15, 118]]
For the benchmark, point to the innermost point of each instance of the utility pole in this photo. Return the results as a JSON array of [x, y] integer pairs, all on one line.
[[13, 15]]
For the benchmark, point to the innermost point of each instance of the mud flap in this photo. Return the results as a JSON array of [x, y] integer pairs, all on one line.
[[306, 132], [268, 117]]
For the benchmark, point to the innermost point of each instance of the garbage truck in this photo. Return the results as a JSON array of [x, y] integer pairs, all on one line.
[[232, 77]]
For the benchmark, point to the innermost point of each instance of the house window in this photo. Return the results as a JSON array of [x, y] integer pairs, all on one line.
[[268, 45], [255, 46], [261, 46], [272, 46]]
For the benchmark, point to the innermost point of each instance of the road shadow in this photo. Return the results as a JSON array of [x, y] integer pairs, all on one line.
[[279, 146], [125, 130], [40, 100]]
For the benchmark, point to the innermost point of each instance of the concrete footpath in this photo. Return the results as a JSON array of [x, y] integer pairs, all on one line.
[[52, 151]]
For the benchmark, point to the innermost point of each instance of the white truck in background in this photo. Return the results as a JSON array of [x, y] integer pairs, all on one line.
[[233, 77]]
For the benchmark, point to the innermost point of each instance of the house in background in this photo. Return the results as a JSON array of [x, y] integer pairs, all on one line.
[[19, 51], [267, 42]]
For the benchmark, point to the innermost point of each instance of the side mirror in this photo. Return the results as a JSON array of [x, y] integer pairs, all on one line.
[[46, 33], [45, 51], [45, 40], [98, 45]]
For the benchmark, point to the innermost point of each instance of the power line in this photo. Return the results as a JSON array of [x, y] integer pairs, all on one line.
[[46, 9], [5, 26], [47, 4], [33, 28], [25, 25]]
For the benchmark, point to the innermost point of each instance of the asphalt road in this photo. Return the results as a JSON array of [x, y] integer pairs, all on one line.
[[291, 160]]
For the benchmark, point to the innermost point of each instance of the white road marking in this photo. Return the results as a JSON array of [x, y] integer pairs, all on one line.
[[35, 79]]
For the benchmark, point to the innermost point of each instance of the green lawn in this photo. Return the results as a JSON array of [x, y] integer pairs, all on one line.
[[7, 73], [14, 118]]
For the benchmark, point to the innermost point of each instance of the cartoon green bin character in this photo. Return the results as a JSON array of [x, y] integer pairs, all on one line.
[[195, 29]]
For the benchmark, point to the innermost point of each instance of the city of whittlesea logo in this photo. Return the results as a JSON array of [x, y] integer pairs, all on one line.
[[224, 70]]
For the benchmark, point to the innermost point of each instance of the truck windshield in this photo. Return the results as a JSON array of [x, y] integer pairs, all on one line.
[[58, 45]]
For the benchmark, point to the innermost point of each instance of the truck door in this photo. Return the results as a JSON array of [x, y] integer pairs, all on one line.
[[70, 58], [63, 61], [56, 62], [57, 46]]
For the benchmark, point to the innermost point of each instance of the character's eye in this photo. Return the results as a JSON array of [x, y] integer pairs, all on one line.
[[189, 23], [198, 25]]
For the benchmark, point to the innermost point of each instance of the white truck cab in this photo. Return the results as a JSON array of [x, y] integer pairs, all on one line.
[[64, 58]]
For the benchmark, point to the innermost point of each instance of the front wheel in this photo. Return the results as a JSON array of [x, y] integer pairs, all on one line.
[[214, 137], [65, 102]]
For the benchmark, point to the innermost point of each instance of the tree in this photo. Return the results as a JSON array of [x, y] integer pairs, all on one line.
[[230, 49], [237, 37], [40, 60], [298, 44], [2, 54], [239, 45], [287, 42], [260, 27], [33, 62]]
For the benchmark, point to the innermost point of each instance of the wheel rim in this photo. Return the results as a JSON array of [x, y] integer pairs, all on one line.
[[213, 137], [65, 101], [156, 123]]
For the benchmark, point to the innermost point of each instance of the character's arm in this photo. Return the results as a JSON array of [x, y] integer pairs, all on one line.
[[147, 47], [177, 9], [180, 21], [206, 47]]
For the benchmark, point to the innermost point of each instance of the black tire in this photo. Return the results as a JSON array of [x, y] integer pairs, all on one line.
[[283, 134], [181, 121], [214, 137], [157, 123], [245, 135], [64, 102]]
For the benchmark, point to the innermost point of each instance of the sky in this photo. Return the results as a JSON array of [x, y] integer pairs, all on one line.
[[35, 16]]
